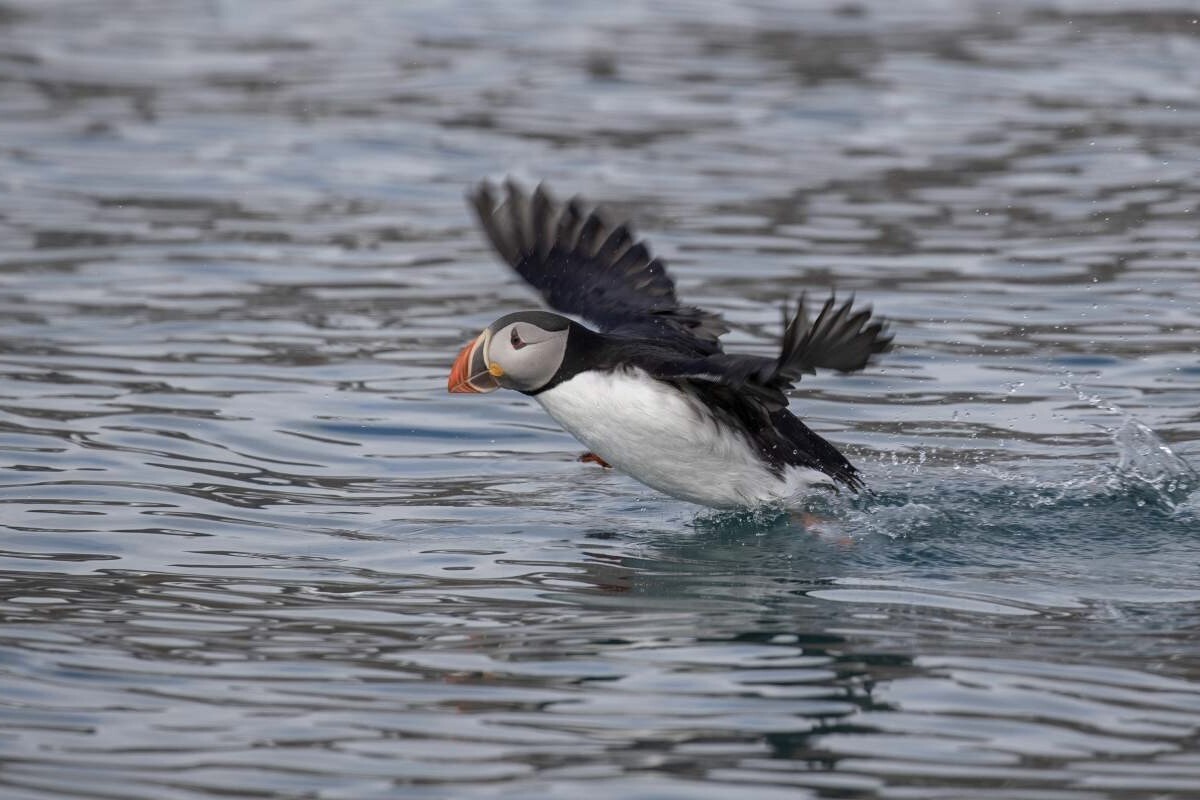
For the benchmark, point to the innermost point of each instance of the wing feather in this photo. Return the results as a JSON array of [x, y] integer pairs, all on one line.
[[839, 339], [581, 264]]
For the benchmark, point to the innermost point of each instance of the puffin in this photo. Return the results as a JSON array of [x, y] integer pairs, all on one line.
[[647, 387]]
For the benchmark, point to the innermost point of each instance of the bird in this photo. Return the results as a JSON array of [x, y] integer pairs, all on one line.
[[648, 387]]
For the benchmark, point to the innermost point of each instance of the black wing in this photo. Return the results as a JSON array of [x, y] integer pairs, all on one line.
[[836, 339], [839, 338], [585, 266]]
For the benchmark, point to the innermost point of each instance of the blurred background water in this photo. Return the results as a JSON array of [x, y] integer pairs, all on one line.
[[250, 548]]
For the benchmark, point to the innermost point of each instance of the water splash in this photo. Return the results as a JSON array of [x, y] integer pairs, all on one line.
[[915, 499], [1144, 457], [758, 520], [1144, 461]]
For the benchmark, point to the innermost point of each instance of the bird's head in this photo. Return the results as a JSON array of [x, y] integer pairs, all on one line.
[[521, 351]]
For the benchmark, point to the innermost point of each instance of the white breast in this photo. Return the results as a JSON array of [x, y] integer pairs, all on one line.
[[651, 431]]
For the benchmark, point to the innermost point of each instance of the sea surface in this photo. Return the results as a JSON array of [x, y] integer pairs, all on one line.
[[249, 547]]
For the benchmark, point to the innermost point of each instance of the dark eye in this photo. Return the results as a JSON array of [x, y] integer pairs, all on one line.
[[515, 340]]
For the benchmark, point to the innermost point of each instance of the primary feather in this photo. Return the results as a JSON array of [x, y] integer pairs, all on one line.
[[585, 266]]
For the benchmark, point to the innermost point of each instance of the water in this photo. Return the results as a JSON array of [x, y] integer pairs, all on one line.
[[251, 548]]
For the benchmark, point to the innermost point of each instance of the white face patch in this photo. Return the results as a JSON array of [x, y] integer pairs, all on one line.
[[527, 356]]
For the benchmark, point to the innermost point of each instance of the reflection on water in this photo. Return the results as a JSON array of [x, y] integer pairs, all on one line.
[[251, 549]]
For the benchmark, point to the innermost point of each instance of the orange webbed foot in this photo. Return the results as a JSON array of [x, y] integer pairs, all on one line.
[[823, 528], [592, 458]]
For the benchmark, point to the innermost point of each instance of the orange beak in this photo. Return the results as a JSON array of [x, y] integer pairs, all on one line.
[[470, 371]]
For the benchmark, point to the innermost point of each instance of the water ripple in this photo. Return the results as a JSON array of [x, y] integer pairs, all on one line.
[[250, 548]]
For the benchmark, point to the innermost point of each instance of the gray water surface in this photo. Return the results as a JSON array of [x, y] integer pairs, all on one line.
[[249, 547]]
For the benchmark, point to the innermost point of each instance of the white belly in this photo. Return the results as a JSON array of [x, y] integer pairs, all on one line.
[[653, 432]]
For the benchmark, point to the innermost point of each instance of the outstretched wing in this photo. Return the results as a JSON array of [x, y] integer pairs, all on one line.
[[585, 266], [837, 339], [840, 338]]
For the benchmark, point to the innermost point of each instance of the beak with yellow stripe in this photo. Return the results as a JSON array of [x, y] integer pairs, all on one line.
[[522, 351]]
